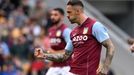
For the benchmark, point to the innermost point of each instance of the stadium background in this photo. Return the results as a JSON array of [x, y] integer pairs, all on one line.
[[23, 24]]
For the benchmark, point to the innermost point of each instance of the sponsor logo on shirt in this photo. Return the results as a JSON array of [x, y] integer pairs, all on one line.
[[55, 40], [80, 38]]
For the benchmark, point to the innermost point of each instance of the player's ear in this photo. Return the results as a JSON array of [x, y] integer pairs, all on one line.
[[78, 11]]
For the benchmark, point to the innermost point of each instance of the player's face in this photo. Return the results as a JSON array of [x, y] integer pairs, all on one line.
[[55, 17], [71, 14]]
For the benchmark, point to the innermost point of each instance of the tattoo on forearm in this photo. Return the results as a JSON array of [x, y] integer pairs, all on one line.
[[58, 57], [109, 53]]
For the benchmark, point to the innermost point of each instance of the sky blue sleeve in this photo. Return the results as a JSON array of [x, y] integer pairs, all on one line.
[[69, 46], [100, 32], [66, 34]]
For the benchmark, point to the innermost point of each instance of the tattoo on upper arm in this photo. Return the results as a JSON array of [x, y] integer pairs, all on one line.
[[107, 43]]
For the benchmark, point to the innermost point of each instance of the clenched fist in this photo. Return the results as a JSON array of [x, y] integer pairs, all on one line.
[[39, 53]]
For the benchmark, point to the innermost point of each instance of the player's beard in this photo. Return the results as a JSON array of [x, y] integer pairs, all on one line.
[[55, 21], [72, 20]]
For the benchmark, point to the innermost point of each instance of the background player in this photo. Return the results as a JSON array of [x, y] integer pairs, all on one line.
[[59, 35], [85, 45]]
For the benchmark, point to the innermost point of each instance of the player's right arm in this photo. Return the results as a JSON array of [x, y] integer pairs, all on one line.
[[57, 57]]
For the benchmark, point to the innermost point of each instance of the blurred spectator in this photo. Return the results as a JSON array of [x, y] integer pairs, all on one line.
[[2, 17], [31, 3], [5, 49], [26, 7], [16, 3], [1, 59], [34, 28], [18, 17], [39, 12], [21, 30], [3, 22], [9, 69], [16, 33], [7, 6], [23, 67], [20, 45], [4, 54], [37, 67], [43, 40]]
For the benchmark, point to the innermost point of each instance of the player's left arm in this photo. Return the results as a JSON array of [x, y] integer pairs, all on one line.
[[100, 32], [109, 55]]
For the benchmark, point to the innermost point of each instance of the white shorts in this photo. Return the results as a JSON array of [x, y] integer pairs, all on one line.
[[59, 71]]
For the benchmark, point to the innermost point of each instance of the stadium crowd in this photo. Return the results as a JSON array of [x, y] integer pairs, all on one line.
[[22, 28]]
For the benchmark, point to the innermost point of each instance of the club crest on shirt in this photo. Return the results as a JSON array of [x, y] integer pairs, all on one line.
[[85, 31], [58, 33]]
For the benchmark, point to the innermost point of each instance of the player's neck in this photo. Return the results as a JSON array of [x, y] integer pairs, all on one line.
[[82, 19], [59, 24]]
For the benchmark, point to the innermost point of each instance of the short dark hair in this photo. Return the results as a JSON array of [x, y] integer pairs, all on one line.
[[75, 3], [60, 10]]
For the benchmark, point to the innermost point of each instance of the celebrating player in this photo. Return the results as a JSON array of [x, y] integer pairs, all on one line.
[[85, 44]]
